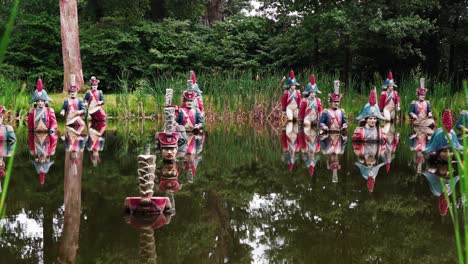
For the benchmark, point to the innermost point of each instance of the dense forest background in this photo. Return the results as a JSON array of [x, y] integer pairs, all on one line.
[[152, 38]]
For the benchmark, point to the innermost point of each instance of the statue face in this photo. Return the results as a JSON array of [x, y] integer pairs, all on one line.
[[335, 104], [421, 97], [370, 161], [312, 94], [292, 87], [40, 103], [445, 153], [371, 121], [73, 94], [390, 87], [168, 153], [94, 86], [189, 103]]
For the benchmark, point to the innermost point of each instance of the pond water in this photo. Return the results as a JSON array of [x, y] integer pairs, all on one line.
[[242, 203]]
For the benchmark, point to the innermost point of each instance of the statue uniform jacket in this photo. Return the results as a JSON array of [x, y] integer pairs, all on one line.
[[75, 103], [288, 97], [48, 117], [368, 134], [193, 115], [385, 98], [331, 116], [416, 109], [7, 133], [308, 105]]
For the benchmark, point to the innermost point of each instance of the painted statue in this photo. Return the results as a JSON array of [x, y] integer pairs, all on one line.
[[368, 161], [311, 106], [7, 132], [369, 129], [94, 99], [193, 155], [333, 146], [167, 143], [147, 204], [389, 102], [41, 118], [95, 141], [417, 142], [420, 112], [189, 116], [462, 123], [170, 124], [439, 144], [291, 99], [310, 147], [192, 87], [42, 146], [73, 107], [290, 143], [333, 119]]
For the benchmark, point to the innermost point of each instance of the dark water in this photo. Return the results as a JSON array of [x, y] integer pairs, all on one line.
[[243, 206]]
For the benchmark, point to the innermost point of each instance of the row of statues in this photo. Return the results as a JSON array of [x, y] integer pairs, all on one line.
[[41, 118], [307, 108]]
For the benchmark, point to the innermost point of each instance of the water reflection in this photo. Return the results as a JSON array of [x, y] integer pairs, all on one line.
[[6, 148], [95, 141], [392, 141], [42, 146], [368, 161], [417, 143], [310, 146], [333, 146], [69, 240], [290, 144], [192, 157]]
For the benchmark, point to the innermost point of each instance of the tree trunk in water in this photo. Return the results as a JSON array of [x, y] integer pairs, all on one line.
[[214, 10], [70, 43]]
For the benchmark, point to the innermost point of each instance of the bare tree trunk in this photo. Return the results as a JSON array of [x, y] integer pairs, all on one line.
[[214, 10], [70, 43]]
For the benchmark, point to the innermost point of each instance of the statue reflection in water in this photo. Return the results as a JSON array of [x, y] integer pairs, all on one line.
[[95, 140], [69, 240], [333, 146], [290, 143], [310, 146], [439, 153], [42, 146], [417, 143], [391, 144], [7, 143]]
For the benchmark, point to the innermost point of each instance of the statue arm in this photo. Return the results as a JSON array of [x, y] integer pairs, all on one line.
[[412, 111], [324, 120], [86, 97], [284, 101], [198, 119], [319, 106], [302, 110], [64, 107], [31, 120], [382, 101], [53, 120], [429, 109], [101, 98], [358, 135]]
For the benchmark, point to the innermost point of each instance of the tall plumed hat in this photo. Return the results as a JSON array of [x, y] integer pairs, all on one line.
[[421, 90], [311, 86], [335, 96], [189, 95], [291, 80], [439, 141], [168, 139], [93, 80], [195, 87], [389, 81], [371, 108], [40, 93], [73, 87]]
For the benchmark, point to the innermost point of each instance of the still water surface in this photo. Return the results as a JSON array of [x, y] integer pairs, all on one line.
[[239, 201]]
